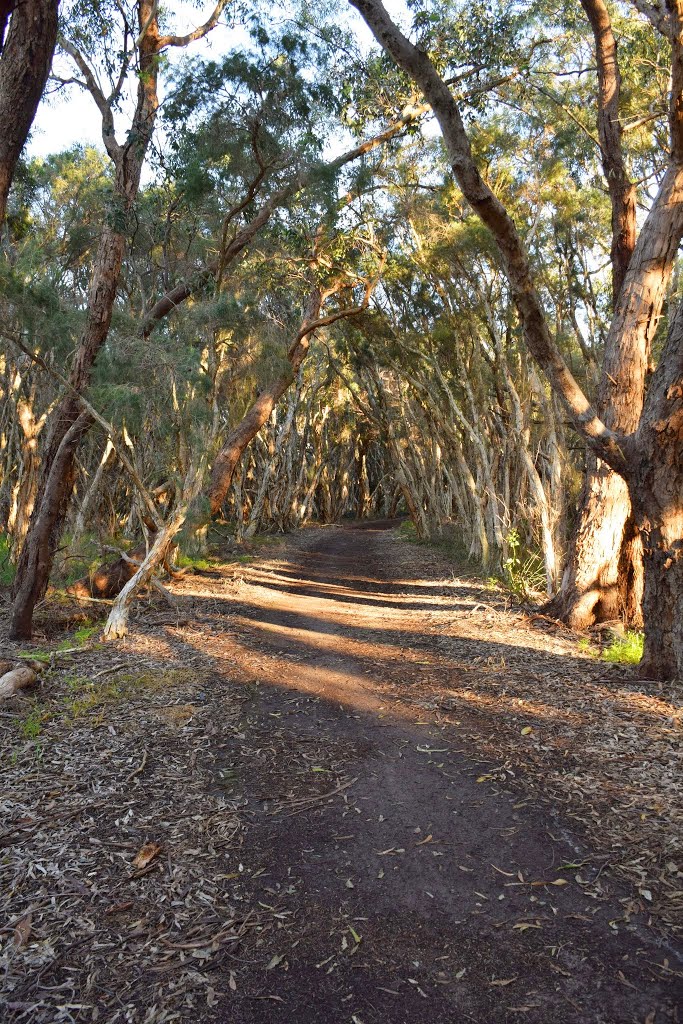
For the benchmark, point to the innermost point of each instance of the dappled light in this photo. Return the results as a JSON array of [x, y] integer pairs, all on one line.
[[341, 512]]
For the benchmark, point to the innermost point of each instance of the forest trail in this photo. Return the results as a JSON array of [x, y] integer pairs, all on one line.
[[360, 772]]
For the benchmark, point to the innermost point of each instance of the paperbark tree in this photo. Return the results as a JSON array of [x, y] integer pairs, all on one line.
[[659, 429], [603, 577], [25, 58], [246, 430]]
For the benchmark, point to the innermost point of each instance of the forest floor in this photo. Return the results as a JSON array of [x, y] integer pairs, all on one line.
[[339, 784]]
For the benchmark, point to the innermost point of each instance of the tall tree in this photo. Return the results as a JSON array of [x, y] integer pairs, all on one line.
[[657, 491], [70, 422], [603, 577]]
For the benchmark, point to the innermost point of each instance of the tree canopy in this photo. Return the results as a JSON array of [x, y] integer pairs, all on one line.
[[306, 276]]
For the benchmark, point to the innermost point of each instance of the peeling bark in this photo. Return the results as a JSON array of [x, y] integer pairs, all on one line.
[[656, 482]]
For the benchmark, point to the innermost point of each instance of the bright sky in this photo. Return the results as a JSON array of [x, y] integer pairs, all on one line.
[[70, 117]]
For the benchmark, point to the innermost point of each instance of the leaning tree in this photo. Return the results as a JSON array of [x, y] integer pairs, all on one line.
[[646, 451]]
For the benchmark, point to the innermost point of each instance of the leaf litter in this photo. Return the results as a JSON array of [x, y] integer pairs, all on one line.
[[124, 830]]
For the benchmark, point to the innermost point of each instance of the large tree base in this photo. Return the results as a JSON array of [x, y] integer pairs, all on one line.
[[603, 580]]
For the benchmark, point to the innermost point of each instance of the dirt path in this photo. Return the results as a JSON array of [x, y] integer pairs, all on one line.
[[389, 861]]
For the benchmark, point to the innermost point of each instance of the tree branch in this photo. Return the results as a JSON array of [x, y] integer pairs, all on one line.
[[197, 33], [111, 145], [181, 292], [494, 215]]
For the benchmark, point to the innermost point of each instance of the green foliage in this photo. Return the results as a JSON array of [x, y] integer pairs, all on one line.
[[7, 569], [625, 651], [523, 572]]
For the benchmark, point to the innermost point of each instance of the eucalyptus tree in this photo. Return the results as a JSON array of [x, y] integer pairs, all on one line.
[[646, 452], [133, 47]]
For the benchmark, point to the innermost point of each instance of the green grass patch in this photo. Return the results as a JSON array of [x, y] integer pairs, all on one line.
[[586, 647], [85, 696], [32, 726], [43, 656], [627, 650], [82, 636], [184, 561], [407, 531], [87, 699]]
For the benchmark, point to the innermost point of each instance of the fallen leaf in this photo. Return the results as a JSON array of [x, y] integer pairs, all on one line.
[[146, 854], [118, 908], [527, 730], [501, 982], [427, 839], [274, 961], [22, 931]]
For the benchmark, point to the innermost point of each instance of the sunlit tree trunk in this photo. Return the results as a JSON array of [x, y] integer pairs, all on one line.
[[656, 483], [24, 495]]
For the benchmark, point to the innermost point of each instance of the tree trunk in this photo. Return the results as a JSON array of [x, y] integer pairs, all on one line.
[[603, 578], [25, 60], [656, 484], [246, 430], [52, 501], [116, 626], [38, 551], [47, 522], [93, 490], [24, 494]]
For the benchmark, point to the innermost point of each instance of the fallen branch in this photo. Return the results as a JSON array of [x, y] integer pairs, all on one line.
[[117, 624], [303, 803]]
